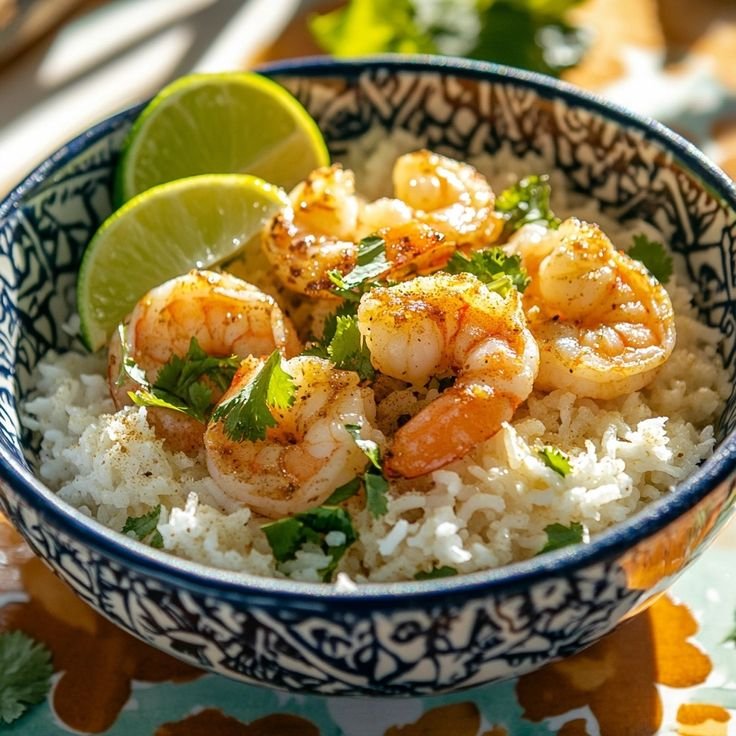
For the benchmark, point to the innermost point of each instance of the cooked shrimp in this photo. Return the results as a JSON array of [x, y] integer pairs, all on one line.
[[450, 196], [440, 205], [307, 455], [227, 316], [317, 233], [440, 324], [604, 325]]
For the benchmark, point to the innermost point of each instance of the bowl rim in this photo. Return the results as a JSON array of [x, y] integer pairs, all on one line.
[[238, 586]]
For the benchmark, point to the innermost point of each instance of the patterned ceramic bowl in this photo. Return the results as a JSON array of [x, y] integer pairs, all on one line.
[[402, 638]]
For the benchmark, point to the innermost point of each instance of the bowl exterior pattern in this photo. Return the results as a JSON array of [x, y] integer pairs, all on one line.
[[433, 641]]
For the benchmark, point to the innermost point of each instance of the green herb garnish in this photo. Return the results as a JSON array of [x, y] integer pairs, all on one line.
[[527, 202], [376, 493], [247, 415], [498, 271], [531, 34], [559, 535], [654, 256], [179, 385], [556, 459], [376, 486], [25, 674], [144, 527], [436, 572], [344, 492], [287, 536], [370, 263]]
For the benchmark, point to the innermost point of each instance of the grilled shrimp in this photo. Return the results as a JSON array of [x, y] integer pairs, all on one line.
[[440, 324], [227, 316], [604, 325], [450, 196], [307, 455], [440, 205], [317, 233]]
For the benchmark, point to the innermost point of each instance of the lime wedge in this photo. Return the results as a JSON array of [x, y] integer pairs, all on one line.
[[231, 123], [196, 222]]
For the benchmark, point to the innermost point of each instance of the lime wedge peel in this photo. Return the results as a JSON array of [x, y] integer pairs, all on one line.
[[196, 222], [234, 122]]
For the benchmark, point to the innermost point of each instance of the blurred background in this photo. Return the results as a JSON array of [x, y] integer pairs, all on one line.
[[66, 63]]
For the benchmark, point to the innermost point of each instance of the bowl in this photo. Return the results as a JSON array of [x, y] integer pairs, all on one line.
[[406, 638]]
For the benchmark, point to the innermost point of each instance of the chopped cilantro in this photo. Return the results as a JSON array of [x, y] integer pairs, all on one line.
[[25, 674], [376, 488], [500, 272], [144, 527], [556, 459], [369, 447], [654, 256], [531, 34], [247, 415], [343, 344], [287, 536], [179, 384], [369, 265], [559, 535], [344, 492], [436, 572], [347, 349], [527, 202]]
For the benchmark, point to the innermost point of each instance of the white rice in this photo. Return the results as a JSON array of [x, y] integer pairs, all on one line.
[[489, 509]]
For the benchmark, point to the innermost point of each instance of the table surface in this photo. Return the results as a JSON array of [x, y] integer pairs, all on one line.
[[668, 671]]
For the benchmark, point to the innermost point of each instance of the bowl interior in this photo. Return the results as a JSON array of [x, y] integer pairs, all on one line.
[[633, 169]]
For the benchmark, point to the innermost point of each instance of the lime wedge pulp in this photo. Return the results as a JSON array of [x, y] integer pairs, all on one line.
[[195, 222], [234, 122]]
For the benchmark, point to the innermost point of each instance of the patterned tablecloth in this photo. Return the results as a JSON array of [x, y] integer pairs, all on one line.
[[671, 670]]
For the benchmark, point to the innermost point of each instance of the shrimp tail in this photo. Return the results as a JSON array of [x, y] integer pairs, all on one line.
[[447, 429]]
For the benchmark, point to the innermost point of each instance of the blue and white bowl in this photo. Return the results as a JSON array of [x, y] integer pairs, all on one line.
[[401, 638]]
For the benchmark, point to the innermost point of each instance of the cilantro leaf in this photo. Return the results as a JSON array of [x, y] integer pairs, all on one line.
[[527, 202], [25, 674], [559, 535], [348, 350], [370, 263], [556, 459], [144, 527], [376, 488], [436, 572], [370, 448], [344, 492], [287, 536], [500, 272], [247, 415], [654, 256], [179, 385]]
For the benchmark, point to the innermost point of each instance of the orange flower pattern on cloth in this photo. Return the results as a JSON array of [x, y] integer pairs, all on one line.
[[617, 677], [458, 719], [213, 722], [97, 660]]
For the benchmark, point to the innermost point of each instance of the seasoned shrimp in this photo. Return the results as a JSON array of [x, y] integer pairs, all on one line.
[[317, 233], [440, 205], [227, 316], [450, 196], [320, 231], [440, 324], [307, 455], [604, 325]]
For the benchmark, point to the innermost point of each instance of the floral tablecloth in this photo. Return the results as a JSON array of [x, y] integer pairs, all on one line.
[[671, 670]]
